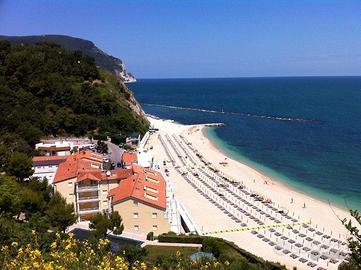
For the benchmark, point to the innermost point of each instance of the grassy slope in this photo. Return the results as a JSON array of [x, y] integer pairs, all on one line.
[[159, 251]]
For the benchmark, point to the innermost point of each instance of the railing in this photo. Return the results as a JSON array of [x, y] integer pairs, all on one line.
[[88, 209], [87, 187], [88, 198]]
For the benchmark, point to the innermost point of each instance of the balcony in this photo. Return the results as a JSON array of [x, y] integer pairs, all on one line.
[[84, 188], [88, 209], [88, 198]]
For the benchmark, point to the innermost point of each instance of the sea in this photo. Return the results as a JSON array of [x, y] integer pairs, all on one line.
[[303, 131]]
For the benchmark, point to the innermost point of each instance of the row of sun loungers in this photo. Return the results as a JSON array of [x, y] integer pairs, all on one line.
[[307, 244]]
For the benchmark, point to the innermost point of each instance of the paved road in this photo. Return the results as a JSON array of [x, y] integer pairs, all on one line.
[[115, 152]]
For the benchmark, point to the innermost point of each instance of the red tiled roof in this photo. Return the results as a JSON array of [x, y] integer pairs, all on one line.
[[128, 158], [86, 165], [136, 186], [95, 176], [75, 164], [89, 155], [119, 174]]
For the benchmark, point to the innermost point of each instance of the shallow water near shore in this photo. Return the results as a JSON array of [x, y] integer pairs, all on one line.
[[305, 132], [233, 153]]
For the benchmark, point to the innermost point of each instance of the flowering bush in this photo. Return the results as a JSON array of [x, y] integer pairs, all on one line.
[[63, 254], [67, 253]]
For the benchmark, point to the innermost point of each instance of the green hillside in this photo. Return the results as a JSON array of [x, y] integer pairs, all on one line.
[[47, 90], [102, 59]]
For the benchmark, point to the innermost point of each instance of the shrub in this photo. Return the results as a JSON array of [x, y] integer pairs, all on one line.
[[173, 238], [150, 236], [211, 245], [133, 253]]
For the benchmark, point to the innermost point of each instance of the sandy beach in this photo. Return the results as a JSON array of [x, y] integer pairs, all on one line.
[[301, 227]]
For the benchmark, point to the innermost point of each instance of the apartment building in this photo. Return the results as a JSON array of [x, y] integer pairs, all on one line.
[[141, 201], [137, 193]]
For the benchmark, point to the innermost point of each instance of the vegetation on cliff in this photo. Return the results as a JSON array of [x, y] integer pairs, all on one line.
[[46, 90], [102, 59]]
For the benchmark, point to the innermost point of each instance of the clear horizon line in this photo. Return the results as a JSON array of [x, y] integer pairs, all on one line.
[[238, 77]]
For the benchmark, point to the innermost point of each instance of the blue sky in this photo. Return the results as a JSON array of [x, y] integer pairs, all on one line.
[[208, 38]]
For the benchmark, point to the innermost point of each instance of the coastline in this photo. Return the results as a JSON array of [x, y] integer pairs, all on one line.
[[274, 177], [302, 207], [208, 148], [274, 182]]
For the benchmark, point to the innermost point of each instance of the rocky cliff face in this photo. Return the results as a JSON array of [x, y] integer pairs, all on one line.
[[102, 59], [134, 104]]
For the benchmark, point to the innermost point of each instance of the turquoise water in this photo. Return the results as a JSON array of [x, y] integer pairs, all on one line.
[[305, 132], [235, 154]]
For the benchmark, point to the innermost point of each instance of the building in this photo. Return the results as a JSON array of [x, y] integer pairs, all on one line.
[[78, 170], [58, 148], [138, 194], [46, 166], [63, 147], [128, 159], [141, 201], [145, 159]]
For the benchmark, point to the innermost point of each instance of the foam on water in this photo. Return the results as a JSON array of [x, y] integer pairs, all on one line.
[[270, 117]]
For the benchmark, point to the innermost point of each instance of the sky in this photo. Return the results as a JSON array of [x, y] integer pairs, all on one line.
[[205, 38]]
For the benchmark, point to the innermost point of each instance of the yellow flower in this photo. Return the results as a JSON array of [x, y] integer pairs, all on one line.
[[36, 253], [143, 266], [178, 254], [53, 245], [4, 248], [14, 244]]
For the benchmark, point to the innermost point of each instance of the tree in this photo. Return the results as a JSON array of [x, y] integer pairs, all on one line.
[[102, 223], [20, 166], [10, 198], [102, 147], [60, 214], [354, 243]]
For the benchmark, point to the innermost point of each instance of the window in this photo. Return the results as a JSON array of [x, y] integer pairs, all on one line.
[[135, 215], [150, 189], [155, 227], [70, 183], [135, 203], [149, 179], [136, 227], [154, 215], [147, 195]]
